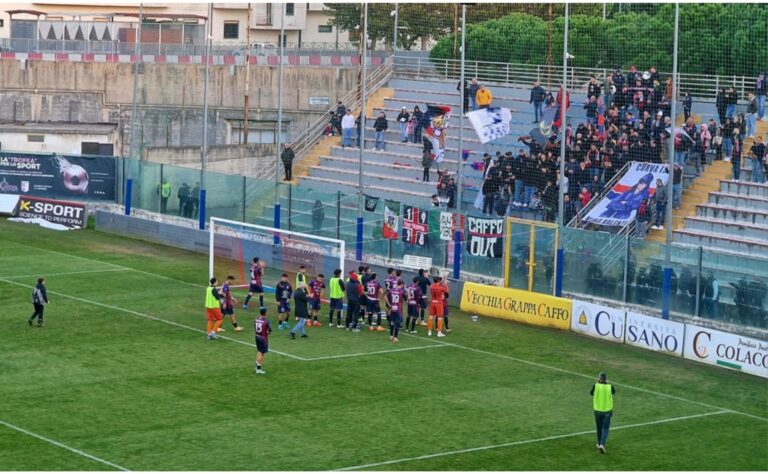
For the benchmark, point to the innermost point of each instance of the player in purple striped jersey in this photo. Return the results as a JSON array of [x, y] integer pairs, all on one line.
[[316, 288], [413, 295], [228, 303], [263, 328], [255, 285], [390, 280], [373, 293], [395, 303]]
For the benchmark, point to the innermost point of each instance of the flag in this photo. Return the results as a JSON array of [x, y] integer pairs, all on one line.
[[490, 123], [371, 203], [435, 121], [433, 112], [391, 216], [415, 226]]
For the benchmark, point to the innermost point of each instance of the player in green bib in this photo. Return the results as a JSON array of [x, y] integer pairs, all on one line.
[[602, 402], [336, 293]]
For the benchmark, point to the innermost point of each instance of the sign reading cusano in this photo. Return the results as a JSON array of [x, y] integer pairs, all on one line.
[[726, 350], [516, 305], [598, 321], [655, 334], [70, 214]]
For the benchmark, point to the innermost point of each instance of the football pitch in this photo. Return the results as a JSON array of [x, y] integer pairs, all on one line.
[[122, 378]]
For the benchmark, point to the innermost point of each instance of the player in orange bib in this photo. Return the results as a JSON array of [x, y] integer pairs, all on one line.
[[438, 294]]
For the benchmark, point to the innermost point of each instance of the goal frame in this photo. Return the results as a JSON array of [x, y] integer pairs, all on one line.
[[268, 231]]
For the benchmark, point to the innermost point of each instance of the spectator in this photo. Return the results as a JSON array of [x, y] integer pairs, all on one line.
[[687, 105], [318, 216], [717, 143], [426, 164], [538, 94], [435, 200], [347, 128], [720, 105], [593, 88], [484, 97], [287, 157], [183, 195], [489, 189], [416, 120], [450, 192], [336, 124], [194, 200], [472, 93], [609, 89], [591, 108], [642, 218], [751, 114], [731, 99], [728, 127], [677, 186], [711, 296], [465, 107], [402, 120], [757, 154], [736, 154], [761, 89], [660, 197], [380, 125], [341, 110], [584, 196]]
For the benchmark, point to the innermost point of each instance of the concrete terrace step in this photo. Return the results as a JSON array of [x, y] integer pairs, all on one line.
[[414, 150], [739, 201], [748, 216], [727, 243], [523, 111], [721, 226], [382, 178], [399, 169], [744, 188]]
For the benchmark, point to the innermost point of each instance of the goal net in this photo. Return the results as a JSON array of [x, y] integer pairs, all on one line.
[[233, 245]]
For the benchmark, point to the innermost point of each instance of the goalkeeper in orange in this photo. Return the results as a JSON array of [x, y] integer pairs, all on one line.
[[438, 293]]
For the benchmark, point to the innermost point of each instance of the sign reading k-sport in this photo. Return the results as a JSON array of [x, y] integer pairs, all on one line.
[[726, 350], [655, 334], [598, 321], [70, 214]]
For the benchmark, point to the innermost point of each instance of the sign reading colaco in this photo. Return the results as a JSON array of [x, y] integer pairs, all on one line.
[[516, 305], [726, 350]]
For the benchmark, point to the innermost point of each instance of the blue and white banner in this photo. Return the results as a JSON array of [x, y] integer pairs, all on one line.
[[620, 204], [490, 123]]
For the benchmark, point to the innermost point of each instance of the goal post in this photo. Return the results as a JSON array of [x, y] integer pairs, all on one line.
[[233, 245]]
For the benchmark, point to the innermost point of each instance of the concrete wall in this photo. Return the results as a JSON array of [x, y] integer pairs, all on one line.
[[54, 142], [170, 97], [231, 159]]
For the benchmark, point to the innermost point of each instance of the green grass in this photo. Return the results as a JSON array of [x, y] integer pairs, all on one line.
[[105, 378]]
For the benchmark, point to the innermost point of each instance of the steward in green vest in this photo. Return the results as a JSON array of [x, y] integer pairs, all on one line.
[[602, 402], [336, 294], [164, 190], [301, 277]]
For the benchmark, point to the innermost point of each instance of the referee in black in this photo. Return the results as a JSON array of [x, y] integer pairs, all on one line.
[[39, 300]]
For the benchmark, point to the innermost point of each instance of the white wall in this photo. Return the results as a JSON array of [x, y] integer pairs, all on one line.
[[61, 143]]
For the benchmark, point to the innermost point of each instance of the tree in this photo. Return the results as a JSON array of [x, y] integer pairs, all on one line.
[[346, 17]]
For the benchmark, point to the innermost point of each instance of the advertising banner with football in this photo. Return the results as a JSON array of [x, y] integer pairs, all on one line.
[[620, 204], [655, 334], [598, 321], [55, 175], [68, 214], [726, 350]]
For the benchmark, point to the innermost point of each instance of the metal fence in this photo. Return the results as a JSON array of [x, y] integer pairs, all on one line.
[[421, 66]]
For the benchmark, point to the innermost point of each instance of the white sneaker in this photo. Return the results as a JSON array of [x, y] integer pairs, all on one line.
[[601, 448], [221, 330], [429, 333], [661, 227], [330, 325], [259, 371], [516, 204], [238, 329], [440, 334]]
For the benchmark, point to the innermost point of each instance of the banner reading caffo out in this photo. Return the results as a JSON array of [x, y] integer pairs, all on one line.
[[726, 350], [517, 305]]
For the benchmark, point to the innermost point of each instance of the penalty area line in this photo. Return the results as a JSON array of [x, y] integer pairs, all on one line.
[[63, 446], [528, 441], [149, 316], [82, 272]]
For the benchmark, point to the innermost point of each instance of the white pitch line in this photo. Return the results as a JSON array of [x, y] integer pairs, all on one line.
[[618, 384], [527, 441], [361, 354], [46, 275], [522, 361], [63, 446], [148, 316]]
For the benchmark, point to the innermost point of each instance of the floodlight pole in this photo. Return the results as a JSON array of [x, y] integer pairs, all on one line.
[[204, 149], [560, 260], [364, 47], [666, 284], [279, 135], [460, 165], [127, 197]]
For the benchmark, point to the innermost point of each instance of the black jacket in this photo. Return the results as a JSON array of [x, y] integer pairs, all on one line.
[[287, 155], [300, 297], [380, 124], [538, 94]]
